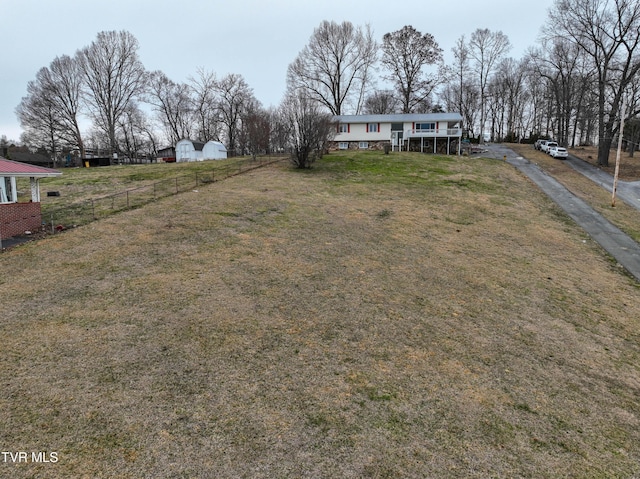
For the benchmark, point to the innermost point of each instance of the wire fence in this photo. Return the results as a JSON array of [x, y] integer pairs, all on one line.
[[81, 213]]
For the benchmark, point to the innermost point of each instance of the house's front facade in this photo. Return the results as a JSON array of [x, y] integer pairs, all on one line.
[[19, 217], [424, 132]]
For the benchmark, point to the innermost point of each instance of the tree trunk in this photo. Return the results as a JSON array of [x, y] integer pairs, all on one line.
[[604, 147]]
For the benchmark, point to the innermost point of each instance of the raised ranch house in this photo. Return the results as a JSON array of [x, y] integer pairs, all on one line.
[[423, 132], [17, 218]]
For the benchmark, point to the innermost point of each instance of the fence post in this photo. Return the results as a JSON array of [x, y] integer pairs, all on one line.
[[177, 190]]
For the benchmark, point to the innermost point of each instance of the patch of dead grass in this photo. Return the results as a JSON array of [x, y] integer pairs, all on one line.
[[278, 325], [622, 215]]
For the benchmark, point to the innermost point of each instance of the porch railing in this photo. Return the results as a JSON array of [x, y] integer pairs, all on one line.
[[433, 132]]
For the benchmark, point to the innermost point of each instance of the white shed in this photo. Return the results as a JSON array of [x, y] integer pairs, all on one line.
[[189, 150], [214, 150]]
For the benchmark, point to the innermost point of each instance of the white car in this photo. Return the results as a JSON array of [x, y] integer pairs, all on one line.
[[538, 144], [558, 152], [547, 145]]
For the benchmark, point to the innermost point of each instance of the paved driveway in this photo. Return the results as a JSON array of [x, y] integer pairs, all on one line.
[[611, 238]]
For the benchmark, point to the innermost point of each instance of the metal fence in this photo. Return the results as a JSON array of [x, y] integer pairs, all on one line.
[[61, 218]]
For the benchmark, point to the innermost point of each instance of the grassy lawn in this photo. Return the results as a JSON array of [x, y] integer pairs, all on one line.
[[623, 216], [86, 194], [378, 316]]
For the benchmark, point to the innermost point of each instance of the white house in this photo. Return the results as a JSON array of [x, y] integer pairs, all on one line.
[[214, 150], [18, 217], [424, 132]]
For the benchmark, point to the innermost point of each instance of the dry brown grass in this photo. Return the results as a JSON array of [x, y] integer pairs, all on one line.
[[629, 166], [623, 216], [434, 318]]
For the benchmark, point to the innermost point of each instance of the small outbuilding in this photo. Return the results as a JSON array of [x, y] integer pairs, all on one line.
[[17, 218], [189, 150], [214, 150]]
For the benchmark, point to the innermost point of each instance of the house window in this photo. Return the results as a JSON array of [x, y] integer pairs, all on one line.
[[343, 145], [363, 145], [343, 128], [425, 126], [8, 189], [373, 127]]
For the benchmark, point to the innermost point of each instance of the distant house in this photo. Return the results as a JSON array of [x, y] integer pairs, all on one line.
[[17, 218], [424, 132], [189, 150]]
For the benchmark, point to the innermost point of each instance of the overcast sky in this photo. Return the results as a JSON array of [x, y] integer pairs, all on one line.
[[254, 38]]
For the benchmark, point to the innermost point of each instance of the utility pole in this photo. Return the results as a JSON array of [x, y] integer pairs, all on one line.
[[620, 135]]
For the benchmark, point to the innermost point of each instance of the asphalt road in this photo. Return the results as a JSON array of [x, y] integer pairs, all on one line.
[[619, 245]]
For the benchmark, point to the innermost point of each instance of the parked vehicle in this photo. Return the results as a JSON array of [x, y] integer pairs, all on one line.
[[538, 143], [546, 145], [558, 152]]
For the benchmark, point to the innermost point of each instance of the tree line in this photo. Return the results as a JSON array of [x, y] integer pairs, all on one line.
[[570, 87]]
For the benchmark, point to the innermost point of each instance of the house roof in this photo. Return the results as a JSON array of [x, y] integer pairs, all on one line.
[[15, 168], [399, 117]]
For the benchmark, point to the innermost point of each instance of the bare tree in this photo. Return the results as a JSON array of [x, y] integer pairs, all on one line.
[[510, 79], [279, 129], [558, 62], [114, 76], [63, 84], [38, 117], [405, 53], [335, 65], [461, 69], [204, 101], [52, 107], [309, 128], [256, 129], [172, 104], [608, 31], [135, 136], [381, 102], [234, 94], [486, 49], [466, 98]]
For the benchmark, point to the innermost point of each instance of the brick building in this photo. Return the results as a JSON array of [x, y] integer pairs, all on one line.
[[18, 217]]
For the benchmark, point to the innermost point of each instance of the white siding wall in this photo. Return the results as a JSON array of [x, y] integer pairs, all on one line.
[[358, 132]]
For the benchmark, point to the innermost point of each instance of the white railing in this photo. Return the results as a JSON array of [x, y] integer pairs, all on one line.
[[433, 132]]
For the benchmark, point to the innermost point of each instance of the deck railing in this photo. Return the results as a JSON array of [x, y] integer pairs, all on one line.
[[441, 132]]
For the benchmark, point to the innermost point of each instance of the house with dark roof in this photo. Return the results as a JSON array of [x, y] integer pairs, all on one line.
[[18, 217], [424, 132]]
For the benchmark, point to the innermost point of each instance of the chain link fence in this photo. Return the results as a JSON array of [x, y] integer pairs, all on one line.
[[61, 218]]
